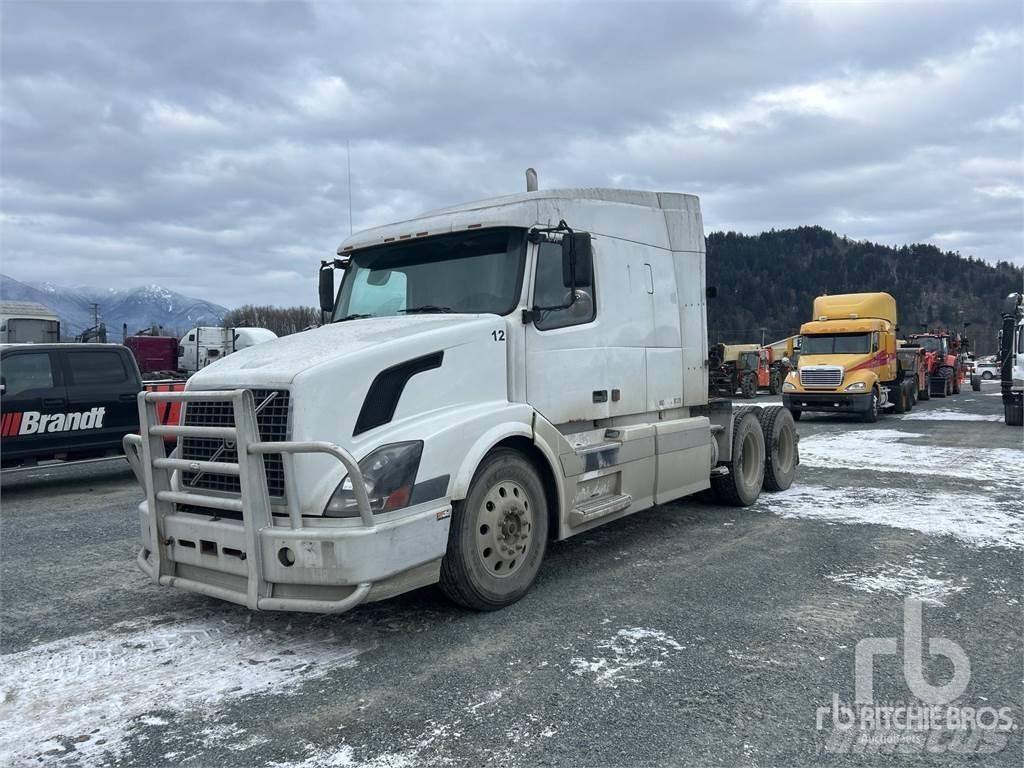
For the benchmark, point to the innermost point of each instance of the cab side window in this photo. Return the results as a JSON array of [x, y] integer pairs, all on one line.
[[97, 368], [550, 291], [26, 372]]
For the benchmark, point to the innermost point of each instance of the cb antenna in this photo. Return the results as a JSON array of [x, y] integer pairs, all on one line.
[[348, 161]]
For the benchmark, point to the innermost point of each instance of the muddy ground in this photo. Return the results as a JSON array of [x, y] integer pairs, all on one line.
[[688, 634]]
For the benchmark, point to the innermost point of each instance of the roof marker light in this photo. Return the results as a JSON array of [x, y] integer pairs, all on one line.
[[422, 234], [474, 226]]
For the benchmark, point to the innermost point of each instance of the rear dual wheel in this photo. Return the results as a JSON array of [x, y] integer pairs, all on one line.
[[781, 448], [741, 484]]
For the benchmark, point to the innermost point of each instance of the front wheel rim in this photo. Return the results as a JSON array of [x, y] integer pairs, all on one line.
[[504, 528]]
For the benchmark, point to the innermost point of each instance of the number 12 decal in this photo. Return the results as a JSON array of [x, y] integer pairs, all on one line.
[[498, 335]]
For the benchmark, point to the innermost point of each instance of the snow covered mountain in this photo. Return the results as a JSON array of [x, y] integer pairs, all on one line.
[[138, 307]]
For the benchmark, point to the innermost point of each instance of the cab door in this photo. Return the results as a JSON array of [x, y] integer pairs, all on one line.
[[31, 389], [104, 382], [566, 366]]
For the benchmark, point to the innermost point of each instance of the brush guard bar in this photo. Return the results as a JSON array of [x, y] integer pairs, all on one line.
[[154, 468]]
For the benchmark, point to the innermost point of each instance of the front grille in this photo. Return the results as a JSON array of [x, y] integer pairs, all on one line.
[[272, 420], [825, 376]]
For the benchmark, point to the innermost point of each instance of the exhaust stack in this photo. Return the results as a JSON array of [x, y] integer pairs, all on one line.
[[531, 180]]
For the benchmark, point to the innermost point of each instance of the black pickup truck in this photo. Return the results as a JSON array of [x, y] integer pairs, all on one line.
[[66, 401]]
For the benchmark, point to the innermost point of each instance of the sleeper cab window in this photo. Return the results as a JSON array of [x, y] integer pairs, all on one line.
[[550, 291]]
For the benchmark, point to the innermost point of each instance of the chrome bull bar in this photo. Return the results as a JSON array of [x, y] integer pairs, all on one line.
[[154, 468]]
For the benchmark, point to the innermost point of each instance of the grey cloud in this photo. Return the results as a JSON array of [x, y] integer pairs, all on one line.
[[203, 145]]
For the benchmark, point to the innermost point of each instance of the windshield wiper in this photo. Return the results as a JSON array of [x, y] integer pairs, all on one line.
[[424, 309], [355, 316]]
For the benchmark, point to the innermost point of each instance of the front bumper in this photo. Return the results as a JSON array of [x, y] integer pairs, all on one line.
[[831, 402], [253, 557], [323, 569]]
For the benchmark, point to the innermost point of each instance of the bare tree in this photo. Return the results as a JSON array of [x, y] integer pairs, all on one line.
[[280, 320]]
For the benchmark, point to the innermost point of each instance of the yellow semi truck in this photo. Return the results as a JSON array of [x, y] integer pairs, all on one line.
[[848, 360]]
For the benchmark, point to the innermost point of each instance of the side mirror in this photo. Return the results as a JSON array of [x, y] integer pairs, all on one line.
[[326, 286], [577, 260]]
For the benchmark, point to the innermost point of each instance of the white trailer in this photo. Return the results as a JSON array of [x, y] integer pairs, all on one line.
[[208, 344], [26, 322], [496, 375]]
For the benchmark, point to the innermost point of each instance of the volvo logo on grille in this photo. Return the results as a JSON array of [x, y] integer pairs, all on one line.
[[194, 466]]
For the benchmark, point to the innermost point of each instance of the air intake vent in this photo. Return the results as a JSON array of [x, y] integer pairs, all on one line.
[[823, 376], [272, 420]]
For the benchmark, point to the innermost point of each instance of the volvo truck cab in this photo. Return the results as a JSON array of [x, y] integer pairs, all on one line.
[[493, 376]]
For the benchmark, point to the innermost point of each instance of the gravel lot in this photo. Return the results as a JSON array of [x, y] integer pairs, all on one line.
[[689, 634]]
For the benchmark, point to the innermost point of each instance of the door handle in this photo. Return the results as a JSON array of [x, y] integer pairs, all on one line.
[[53, 402]]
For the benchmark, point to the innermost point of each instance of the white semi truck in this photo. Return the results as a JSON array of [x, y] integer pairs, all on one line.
[[494, 376]]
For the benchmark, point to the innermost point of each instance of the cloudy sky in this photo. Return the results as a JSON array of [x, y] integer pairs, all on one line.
[[202, 146]]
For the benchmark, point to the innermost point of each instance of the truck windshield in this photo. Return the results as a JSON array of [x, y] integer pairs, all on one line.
[[472, 272], [836, 344], [928, 343]]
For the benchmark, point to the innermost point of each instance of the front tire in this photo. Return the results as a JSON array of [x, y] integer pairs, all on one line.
[[1013, 415], [976, 383], [775, 383], [742, 485], [498, 534], [871, 415], [749, 387], [987, 375]]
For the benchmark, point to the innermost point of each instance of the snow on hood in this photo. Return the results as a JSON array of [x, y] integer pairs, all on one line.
[[278, 361]]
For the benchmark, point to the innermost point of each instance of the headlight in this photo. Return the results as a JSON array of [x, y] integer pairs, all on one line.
[[788, 387], [389, 474], [857, 386]]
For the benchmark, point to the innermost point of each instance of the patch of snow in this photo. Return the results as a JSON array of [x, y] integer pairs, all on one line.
[[902, 580], [91, 692], [974, 519], [889, 450], [630, 649], [948, 414]]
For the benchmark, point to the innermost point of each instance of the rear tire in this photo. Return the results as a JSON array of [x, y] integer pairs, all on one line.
[[900, 399], [976, 383], [498, 534], [781, 448], [749, 386], [775, 383], [742, 485], [1013, 415], [987, 375]]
